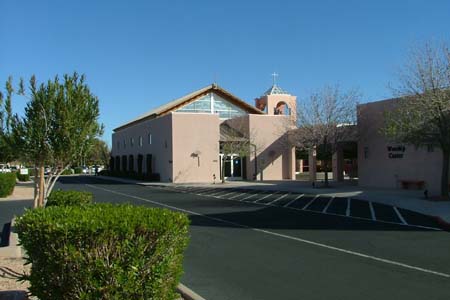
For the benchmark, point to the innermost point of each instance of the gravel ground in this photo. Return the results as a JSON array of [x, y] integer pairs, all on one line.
[[10, 266]]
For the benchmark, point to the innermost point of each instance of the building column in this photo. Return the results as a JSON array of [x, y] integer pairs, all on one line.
[[292, 161], [312, 162], [338, 164]]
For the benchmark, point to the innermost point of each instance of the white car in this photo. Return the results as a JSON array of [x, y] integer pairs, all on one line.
[[4, 169]]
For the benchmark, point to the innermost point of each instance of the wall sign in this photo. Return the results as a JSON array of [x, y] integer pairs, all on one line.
[[396, 151]]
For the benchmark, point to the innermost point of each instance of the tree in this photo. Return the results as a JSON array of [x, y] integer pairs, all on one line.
[[98, 153], [7, 152], [422, 114], [323, 121], [60, 123]]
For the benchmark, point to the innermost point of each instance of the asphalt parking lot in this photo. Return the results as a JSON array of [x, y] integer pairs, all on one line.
[[346, 207], [247, 244]]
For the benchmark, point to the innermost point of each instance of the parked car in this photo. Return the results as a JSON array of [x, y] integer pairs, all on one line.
[[5, 168]]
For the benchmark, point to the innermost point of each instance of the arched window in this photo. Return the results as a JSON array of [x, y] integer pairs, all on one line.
[[282, 109]]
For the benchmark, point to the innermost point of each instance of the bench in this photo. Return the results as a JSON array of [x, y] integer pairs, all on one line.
[[412, 184]]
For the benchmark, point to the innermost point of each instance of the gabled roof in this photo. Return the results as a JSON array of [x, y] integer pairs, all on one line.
[[275, 90], [177, 103]]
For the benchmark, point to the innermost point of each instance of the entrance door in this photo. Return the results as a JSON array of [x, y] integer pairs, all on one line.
[[233, 167]]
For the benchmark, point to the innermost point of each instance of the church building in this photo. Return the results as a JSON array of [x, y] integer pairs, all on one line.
[[191, 139]]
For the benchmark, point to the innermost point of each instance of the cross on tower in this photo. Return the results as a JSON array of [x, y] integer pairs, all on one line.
[[274, 75]]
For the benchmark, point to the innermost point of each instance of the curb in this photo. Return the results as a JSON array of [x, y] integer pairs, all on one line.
[[12, 250], [187, 293]]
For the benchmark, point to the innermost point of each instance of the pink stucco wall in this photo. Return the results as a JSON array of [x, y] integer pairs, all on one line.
[[160, 147], [275, 157], [195, 147], [377, 169]]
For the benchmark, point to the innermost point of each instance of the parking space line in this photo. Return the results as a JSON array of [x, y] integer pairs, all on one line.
[[399, 215], [250, 196], [236, 196], [293, 238], [218, 193], [347, 211], [266, 196], [309, 203], [232, 192], [295, 199], [328, 205], [279, 198], [372, 211]]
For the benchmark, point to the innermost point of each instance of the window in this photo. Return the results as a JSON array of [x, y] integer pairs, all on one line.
[[131, 142], [149, 138], [140, 141], [124, 144], [118, 145], [366, 152]]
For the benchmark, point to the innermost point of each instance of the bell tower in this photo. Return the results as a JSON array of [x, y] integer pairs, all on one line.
[[276, 101]]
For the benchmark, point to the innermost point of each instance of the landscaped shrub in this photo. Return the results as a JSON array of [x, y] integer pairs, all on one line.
[[7, 183], [69, 198], [103, 251], [23, 177], [67, 172], [78, 170]]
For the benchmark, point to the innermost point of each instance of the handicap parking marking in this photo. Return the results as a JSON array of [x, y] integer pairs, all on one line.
[[251, 196]]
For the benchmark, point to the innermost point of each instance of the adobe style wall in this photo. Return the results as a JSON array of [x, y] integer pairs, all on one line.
[[195, 147], [381, 166], [275, 157], [161, 144]]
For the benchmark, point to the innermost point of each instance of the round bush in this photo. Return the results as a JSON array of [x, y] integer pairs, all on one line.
[[7, 183], [69, 198], [23, 177], [103, 251]]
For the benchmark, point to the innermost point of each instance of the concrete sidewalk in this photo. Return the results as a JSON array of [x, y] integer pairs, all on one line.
[[408, 199]]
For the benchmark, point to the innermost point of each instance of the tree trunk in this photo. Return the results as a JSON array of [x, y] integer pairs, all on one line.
[[41, 186], [223, 169], [36, 188], [444, 177]]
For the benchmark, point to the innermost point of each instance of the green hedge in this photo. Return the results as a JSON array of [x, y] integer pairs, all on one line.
[[23, 177], [78, 170], [7, 183], [67, 172], [103, 251], [69, 198]]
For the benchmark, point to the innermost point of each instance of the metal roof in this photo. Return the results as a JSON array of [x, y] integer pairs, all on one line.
[[275, 90]]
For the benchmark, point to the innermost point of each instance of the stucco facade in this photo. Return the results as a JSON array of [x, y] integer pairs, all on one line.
[[383, 163], [180, 141]]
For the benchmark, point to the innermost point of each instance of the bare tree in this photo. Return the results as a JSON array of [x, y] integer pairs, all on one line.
[[324, 120], [422, 115]]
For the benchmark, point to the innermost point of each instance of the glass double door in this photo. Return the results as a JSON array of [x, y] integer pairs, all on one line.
[[233, 167]]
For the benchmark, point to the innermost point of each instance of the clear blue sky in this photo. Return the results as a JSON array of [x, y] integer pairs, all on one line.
[[139, 54]]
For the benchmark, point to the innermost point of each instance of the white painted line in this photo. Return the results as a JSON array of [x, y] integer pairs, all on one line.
[[240, 194], [266, 196], [250, 196], [372, 211], [347, 211], [309, 203], [296, 198], [219, 192], [297, 239], [328, 205], [279, 198], [399, 215], [227, 194]]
